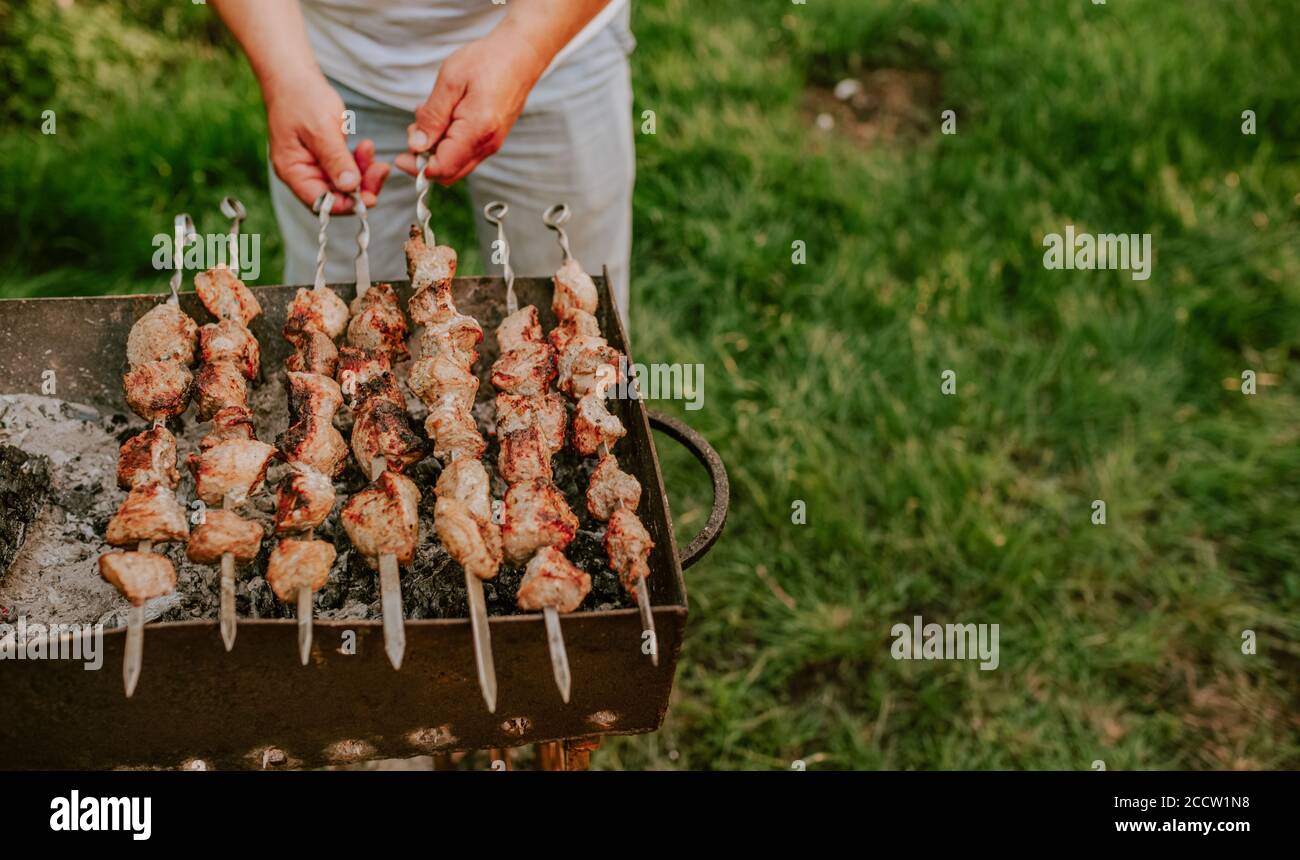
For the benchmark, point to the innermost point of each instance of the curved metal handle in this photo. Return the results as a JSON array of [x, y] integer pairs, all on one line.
[[703, 451]]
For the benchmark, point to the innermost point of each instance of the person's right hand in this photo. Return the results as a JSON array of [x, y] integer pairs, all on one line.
[[309, 151]]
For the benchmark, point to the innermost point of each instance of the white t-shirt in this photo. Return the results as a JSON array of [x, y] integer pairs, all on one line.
[[390, 50]]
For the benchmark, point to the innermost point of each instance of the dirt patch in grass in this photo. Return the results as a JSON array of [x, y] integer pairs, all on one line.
[[877, 106]]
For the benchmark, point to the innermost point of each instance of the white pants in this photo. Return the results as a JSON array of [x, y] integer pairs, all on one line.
[[572, 144]]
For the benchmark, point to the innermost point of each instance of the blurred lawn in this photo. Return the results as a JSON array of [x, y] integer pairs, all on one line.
[[1119, 643]]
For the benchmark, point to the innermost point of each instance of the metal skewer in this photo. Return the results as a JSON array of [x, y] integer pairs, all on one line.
[[390, 590], [305, 611], [133, 657], [228, 588], [323, 205], [183, 227], [234, 210], [363, 246], [422, 213]]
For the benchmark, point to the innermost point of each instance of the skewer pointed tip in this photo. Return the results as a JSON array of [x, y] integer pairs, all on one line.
[[486, 666], [647, 618], [559, 654], [228, 627], [133, 659], [304, 624], [390, 586]]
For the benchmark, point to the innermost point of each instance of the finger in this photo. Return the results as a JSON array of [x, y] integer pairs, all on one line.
[[434, 116], [406, 163], [372, 181], [332, 152], [452, 154], [364, 155]]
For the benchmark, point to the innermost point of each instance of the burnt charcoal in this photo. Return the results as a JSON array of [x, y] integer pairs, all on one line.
[[24, 489]]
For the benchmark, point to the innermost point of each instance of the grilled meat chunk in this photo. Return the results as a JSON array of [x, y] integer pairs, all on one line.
[[517, 412], [150, 512], [578, 324], [453, 431], [139, 576], [165, 333], [459, 333], [524, 456], [224, 532], [552, 580], [473, 542], [428, 268], [435, 380], [610, 489], [574, 291], [628, 545], [297, 564], [227, 340], [232, 422], [520, 329], [158, 390], [312, 395], [225, 296], [316, 310], [235, 468], [220, 385], [359, 366], [315, 443], [314, 352], [467, 480], [594, 425], [377, 323], [536, 515], [383, 519], [588, 364], [381, 429], [148, 457], [527, 370], [303, 501], [383, 386]]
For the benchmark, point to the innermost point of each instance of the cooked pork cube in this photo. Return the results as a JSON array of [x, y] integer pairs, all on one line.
[[574, 291], [473, 542], [227, 340], [303, 501], [517, 411], [225, 296], [358, 366], [219, 385], [316, 310], [520, 329], [313, 352], [377, 323], [428, 267], [312, 395], [235, 468], [150, 512], [628, 545], [383, 386], [594, 425], [527, 370], [552, 580], [382, 429], [436, 379], [298, 564], [578, 324], [314, 443], [383, 519], [459, 332], [454, 433], [524, 456], [610, 489], [432, 306], [158, 390], [588, 364], [467, 480], [139, 576], [224, 532], [148, 458], [233, 422], [536, 515], [165, 333]]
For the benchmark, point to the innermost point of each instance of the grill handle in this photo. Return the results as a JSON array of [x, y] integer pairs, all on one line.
[[682, 432]]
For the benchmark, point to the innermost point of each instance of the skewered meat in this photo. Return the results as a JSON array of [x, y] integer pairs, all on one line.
[[473, 542], [297, 564], [165, 333], [628, 545], [383, 386], [225, 296], [547, 412], [588, 362], [536, 515], [428, 267], [610, 489], [594, 425], [467, 480], [232, 422], [435, 379], [578, 324], [312, 395], [460, 333], [148, 457], [303, 501], [358, 366], [224, 532], [377, 323], [220, 385], [520, 329], [235, 468], [139, 576], [574, 291], [227, 340], [527, 370], [314, 352], [315, 443], [524, 456], [150, 512], [550, 579], [453, 432], [383, 519], [157, 390], [316, 310], [380, 429]]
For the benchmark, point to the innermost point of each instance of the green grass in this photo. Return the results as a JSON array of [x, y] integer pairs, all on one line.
[[1119, 642]]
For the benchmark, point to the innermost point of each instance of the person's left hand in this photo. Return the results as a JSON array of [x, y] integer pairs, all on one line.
[[480, 92]]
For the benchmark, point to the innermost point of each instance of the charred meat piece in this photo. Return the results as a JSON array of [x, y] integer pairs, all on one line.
[[148, 458], [316, 310], [303, 501], [312, 395], [428, 267], [225, 296], [588, 363], [552, 580], [527, 370], [314, 352], [517, 411], [158, 390], [593, 425], [474, 543], [150, 512], [578, 324], [524, 456], [467, 480], [610, 489], [233, 422], [628, 546], [220, 385], [383, 519], [520, 329], [227, 340], [297, 564], [139, 576], [165, 333], [435, 380], [377, 323], [432, 306], [315, 443], [574, 291], [381, 429], [536, 515], [358, 366], [235, 468], [454, 433], [224, 532], [383, 386]]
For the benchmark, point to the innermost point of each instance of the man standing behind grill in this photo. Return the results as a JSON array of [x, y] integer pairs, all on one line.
[[540, 86]]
